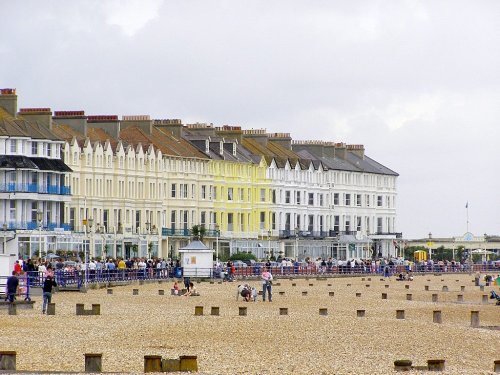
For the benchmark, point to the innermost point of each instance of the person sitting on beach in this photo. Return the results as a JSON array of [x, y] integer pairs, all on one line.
[[400, 277], [176, 289], [191, 291]]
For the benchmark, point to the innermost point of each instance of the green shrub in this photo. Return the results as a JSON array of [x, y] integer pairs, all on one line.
[[242, 256]]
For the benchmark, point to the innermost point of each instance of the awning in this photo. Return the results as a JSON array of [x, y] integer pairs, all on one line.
[[56, 165], [16, 162]]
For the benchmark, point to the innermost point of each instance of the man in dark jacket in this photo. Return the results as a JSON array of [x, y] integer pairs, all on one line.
[[47, 292], [12, 286]]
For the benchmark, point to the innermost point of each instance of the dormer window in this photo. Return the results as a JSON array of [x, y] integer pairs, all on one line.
[[221, 146], [234, 149], [34, 148], [207, 146]]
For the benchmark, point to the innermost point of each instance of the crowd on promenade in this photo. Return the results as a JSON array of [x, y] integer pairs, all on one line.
[[78, 272]]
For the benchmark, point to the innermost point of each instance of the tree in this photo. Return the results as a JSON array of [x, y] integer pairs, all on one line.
[[198, 232]]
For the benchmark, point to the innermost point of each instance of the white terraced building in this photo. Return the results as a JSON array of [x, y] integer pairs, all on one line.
[[138, 185], [33, 185]]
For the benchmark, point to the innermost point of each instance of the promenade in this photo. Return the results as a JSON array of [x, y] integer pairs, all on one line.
[[264, 342]]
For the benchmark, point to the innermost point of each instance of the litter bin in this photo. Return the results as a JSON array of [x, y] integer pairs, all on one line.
[[179, 271]]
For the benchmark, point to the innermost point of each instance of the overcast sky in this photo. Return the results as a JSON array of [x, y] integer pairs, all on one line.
[[416, 82]]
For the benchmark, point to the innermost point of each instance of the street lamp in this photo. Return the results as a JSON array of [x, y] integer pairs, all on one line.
[[4, 238], [269, 241], [148, 227], [296, 243], [429, 243], [90, 223], [39, 219], [217, 243]]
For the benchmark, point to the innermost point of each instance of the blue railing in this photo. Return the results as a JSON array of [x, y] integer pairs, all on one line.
[[32, 225], [34, 188], [176, 232], [78, 277]]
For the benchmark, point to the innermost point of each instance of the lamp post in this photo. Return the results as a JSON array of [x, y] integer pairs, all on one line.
[[429, 244], [269, 241], [4, 238], [39, 219], [296, 243], [217, 243], [90, 223], [148, 227]]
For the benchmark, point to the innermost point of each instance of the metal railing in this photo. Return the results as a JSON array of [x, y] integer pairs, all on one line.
[[78, 278], [32, 225], [175, 232], [23, 291], [12, 187]]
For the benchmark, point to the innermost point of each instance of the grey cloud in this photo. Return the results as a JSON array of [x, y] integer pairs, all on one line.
[[417, 82]]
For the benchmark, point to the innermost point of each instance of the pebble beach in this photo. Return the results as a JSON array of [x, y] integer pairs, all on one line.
[[265, 342]]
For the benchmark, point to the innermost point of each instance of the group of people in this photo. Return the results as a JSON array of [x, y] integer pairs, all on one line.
[[408, 276], [249, 293], [13, 284], [190, 289]]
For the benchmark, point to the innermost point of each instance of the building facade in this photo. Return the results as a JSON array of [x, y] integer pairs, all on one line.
[[136, 186]]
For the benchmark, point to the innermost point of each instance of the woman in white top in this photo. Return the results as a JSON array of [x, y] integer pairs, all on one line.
[[266, 285]]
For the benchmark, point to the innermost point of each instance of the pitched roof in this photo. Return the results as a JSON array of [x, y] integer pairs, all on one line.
[[18, 127], [164, 141], [352, 162], [67, 133]]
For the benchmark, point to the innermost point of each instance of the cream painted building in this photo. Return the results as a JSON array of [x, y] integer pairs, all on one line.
[[139, 185]]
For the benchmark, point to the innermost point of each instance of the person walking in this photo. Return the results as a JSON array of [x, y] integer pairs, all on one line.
[[12, 286], [47, 292], [267, 279]]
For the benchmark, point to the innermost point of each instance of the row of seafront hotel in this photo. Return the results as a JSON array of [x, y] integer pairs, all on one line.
[[136, 186]]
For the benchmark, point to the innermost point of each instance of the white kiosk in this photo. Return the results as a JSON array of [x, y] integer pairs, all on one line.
[[7, 262], [197, 259]]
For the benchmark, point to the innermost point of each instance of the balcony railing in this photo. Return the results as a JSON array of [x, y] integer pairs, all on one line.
[[175, 232], [33, 225], [34, 188], [396, 234], [304, 234], [171, 232]]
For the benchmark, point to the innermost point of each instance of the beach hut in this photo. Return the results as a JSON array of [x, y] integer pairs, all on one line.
[[197, 259], [420, 256]]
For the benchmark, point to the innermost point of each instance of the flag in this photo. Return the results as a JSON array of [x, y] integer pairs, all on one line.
[[467, 205]]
